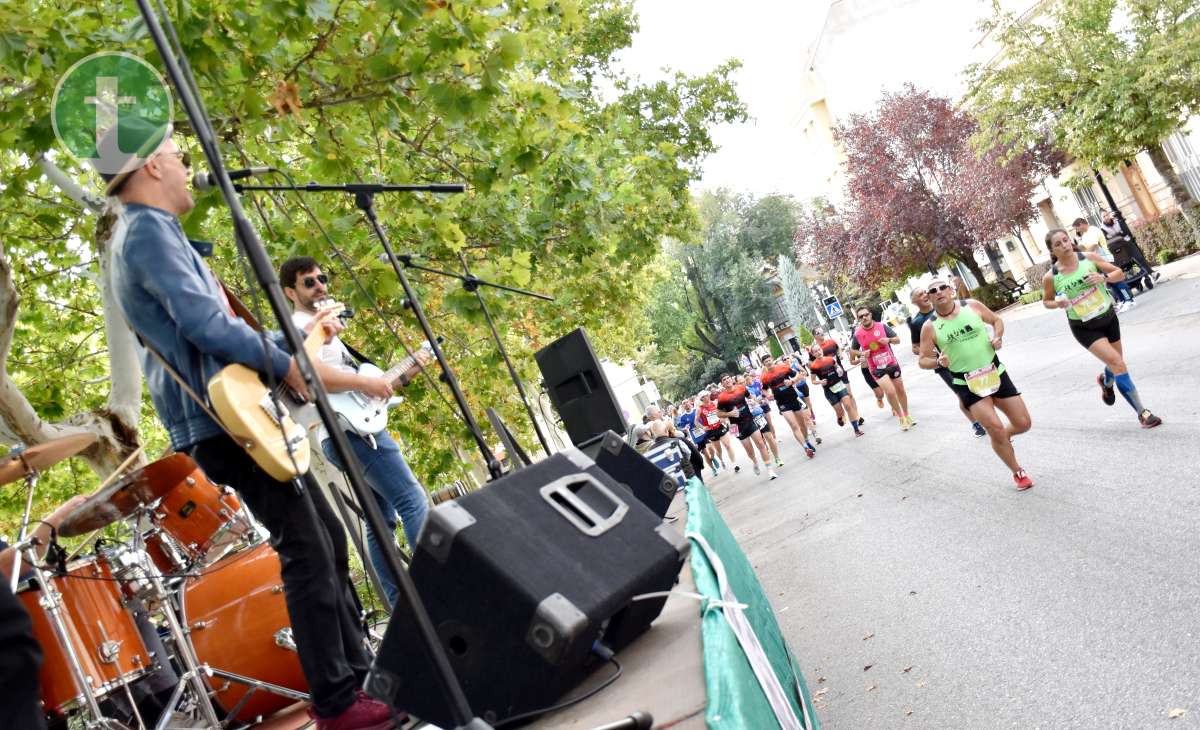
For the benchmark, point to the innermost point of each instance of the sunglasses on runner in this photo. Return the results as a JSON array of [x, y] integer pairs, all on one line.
[[310, 281], [938, 287]]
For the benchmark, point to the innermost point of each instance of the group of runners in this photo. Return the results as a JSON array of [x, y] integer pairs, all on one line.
[[956, 338]]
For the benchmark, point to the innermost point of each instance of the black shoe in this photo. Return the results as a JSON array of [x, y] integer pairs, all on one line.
[[980, 431], [1107, 394]]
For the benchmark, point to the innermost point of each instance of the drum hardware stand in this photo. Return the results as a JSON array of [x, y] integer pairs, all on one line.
[[31, 478], [51, 603], [180, 74], [192, 669], [351, 518], [255, 685]]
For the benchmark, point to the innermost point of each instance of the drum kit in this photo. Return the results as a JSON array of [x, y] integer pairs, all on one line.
[[189, 556]]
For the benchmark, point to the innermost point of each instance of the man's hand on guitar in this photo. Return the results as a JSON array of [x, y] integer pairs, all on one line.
[[375, 387], [295, 381], [327, 319]]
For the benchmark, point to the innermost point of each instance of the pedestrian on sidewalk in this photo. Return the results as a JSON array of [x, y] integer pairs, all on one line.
[[1075, 283], [958, 341]]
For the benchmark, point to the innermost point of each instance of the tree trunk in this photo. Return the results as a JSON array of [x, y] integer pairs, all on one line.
[[972, 265], [1179, 191]]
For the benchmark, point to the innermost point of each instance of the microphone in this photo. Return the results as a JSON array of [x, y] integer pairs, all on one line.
[[203, 181]]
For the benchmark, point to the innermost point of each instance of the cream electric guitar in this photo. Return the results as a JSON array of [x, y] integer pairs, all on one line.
[[249, 411]]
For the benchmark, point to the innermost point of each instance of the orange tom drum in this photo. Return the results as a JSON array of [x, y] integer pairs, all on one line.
[[239, 624], [200, 519], [102, 632]]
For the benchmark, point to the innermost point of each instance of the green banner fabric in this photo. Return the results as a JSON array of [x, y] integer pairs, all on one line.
[[736, 698]]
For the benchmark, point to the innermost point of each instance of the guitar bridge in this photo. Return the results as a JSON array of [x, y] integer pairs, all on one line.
[[272, 409]]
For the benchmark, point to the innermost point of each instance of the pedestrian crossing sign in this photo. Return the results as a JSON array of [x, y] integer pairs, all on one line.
[[833, 307]]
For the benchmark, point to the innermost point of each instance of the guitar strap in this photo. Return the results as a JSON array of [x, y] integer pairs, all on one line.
[[186, 388]]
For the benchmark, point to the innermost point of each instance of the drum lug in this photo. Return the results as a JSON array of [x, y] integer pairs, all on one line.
[[108, 652], [191, 482], [278, 588], [201, 625], [284, 639]]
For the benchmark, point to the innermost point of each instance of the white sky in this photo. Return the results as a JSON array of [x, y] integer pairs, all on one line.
[[926, 41]]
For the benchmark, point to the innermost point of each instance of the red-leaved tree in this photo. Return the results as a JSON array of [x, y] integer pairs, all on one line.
[[916, 193]]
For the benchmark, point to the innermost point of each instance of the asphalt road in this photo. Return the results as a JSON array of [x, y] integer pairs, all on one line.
[[919, 589]]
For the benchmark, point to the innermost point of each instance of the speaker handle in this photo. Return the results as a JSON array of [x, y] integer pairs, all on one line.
[[567, 502]]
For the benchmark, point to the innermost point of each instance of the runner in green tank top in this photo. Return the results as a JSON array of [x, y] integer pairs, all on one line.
[[981, 382], [1076, 283]]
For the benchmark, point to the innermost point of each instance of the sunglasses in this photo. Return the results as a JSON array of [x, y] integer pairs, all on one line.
[[184, 157], [864, 315], [310, 281], [938, 287]]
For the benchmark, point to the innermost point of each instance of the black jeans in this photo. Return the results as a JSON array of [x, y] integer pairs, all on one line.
[[316, 571], [20, 659]]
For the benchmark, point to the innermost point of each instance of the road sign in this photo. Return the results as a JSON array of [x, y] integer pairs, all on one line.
[[833, 307]]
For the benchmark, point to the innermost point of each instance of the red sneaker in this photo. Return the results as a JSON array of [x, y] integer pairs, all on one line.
[[1022, 479], [1149, 420], [364, 714], [1106, 391]]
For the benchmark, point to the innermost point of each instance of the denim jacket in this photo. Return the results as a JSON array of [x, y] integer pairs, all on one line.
[[171, 300]]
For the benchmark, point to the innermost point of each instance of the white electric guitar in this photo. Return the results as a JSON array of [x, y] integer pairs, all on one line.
[[358, 412], [363, 414]]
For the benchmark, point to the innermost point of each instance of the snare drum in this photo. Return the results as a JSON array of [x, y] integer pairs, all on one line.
[[239, 623], [201, 520], [102, 633]]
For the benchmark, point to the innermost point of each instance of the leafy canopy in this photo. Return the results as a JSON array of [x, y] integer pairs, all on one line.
[[571, 188]]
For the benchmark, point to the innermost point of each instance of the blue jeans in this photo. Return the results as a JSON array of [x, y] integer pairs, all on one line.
[[396, 490]]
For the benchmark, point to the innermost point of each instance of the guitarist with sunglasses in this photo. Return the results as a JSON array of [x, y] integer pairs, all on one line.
[[397, 491]]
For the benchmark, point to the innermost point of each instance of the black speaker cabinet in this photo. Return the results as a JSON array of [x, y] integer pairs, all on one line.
[[578, 389], [632, 470], [520, 579]]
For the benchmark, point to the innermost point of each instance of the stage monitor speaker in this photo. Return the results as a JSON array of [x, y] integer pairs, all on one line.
[[653, 486], [521, 579], [578, 389]]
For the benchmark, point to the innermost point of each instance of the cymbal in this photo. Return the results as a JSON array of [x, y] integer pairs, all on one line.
[[122, 498], [16, 467]]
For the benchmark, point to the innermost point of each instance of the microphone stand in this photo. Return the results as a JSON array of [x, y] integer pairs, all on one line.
[[471, 283], [181, 77]]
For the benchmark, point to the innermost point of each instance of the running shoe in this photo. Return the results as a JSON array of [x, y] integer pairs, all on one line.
[[736, 468], [758, 471], [771, 475], [903, 423], [1022, 479], [809, 451], [1149, 420], [717, 463], [841, 421], [714, 473], [980, 431], [1107, 393], [1121, 307], [911, 421], [818, 440], [858, 433], [778, 461]]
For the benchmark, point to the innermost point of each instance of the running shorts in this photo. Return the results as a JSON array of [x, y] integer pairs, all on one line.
[[715, 433], [892, 371], [788, 405], [802, 389], [833, 397], [1007, 390], [1106, 327], [746, 427], [869, 378], [945, 375]]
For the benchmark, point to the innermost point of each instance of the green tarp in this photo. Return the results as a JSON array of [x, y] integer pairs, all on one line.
[[735, 696]]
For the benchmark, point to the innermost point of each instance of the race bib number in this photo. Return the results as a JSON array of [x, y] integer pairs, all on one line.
[[760, 421], [1090, 304], [882, 359], [984, 381], [837, 387], [697, 431]]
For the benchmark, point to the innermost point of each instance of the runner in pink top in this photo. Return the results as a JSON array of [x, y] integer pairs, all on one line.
[[872, 344]]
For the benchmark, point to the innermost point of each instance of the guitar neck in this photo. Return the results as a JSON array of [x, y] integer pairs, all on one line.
[[394, 372]]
